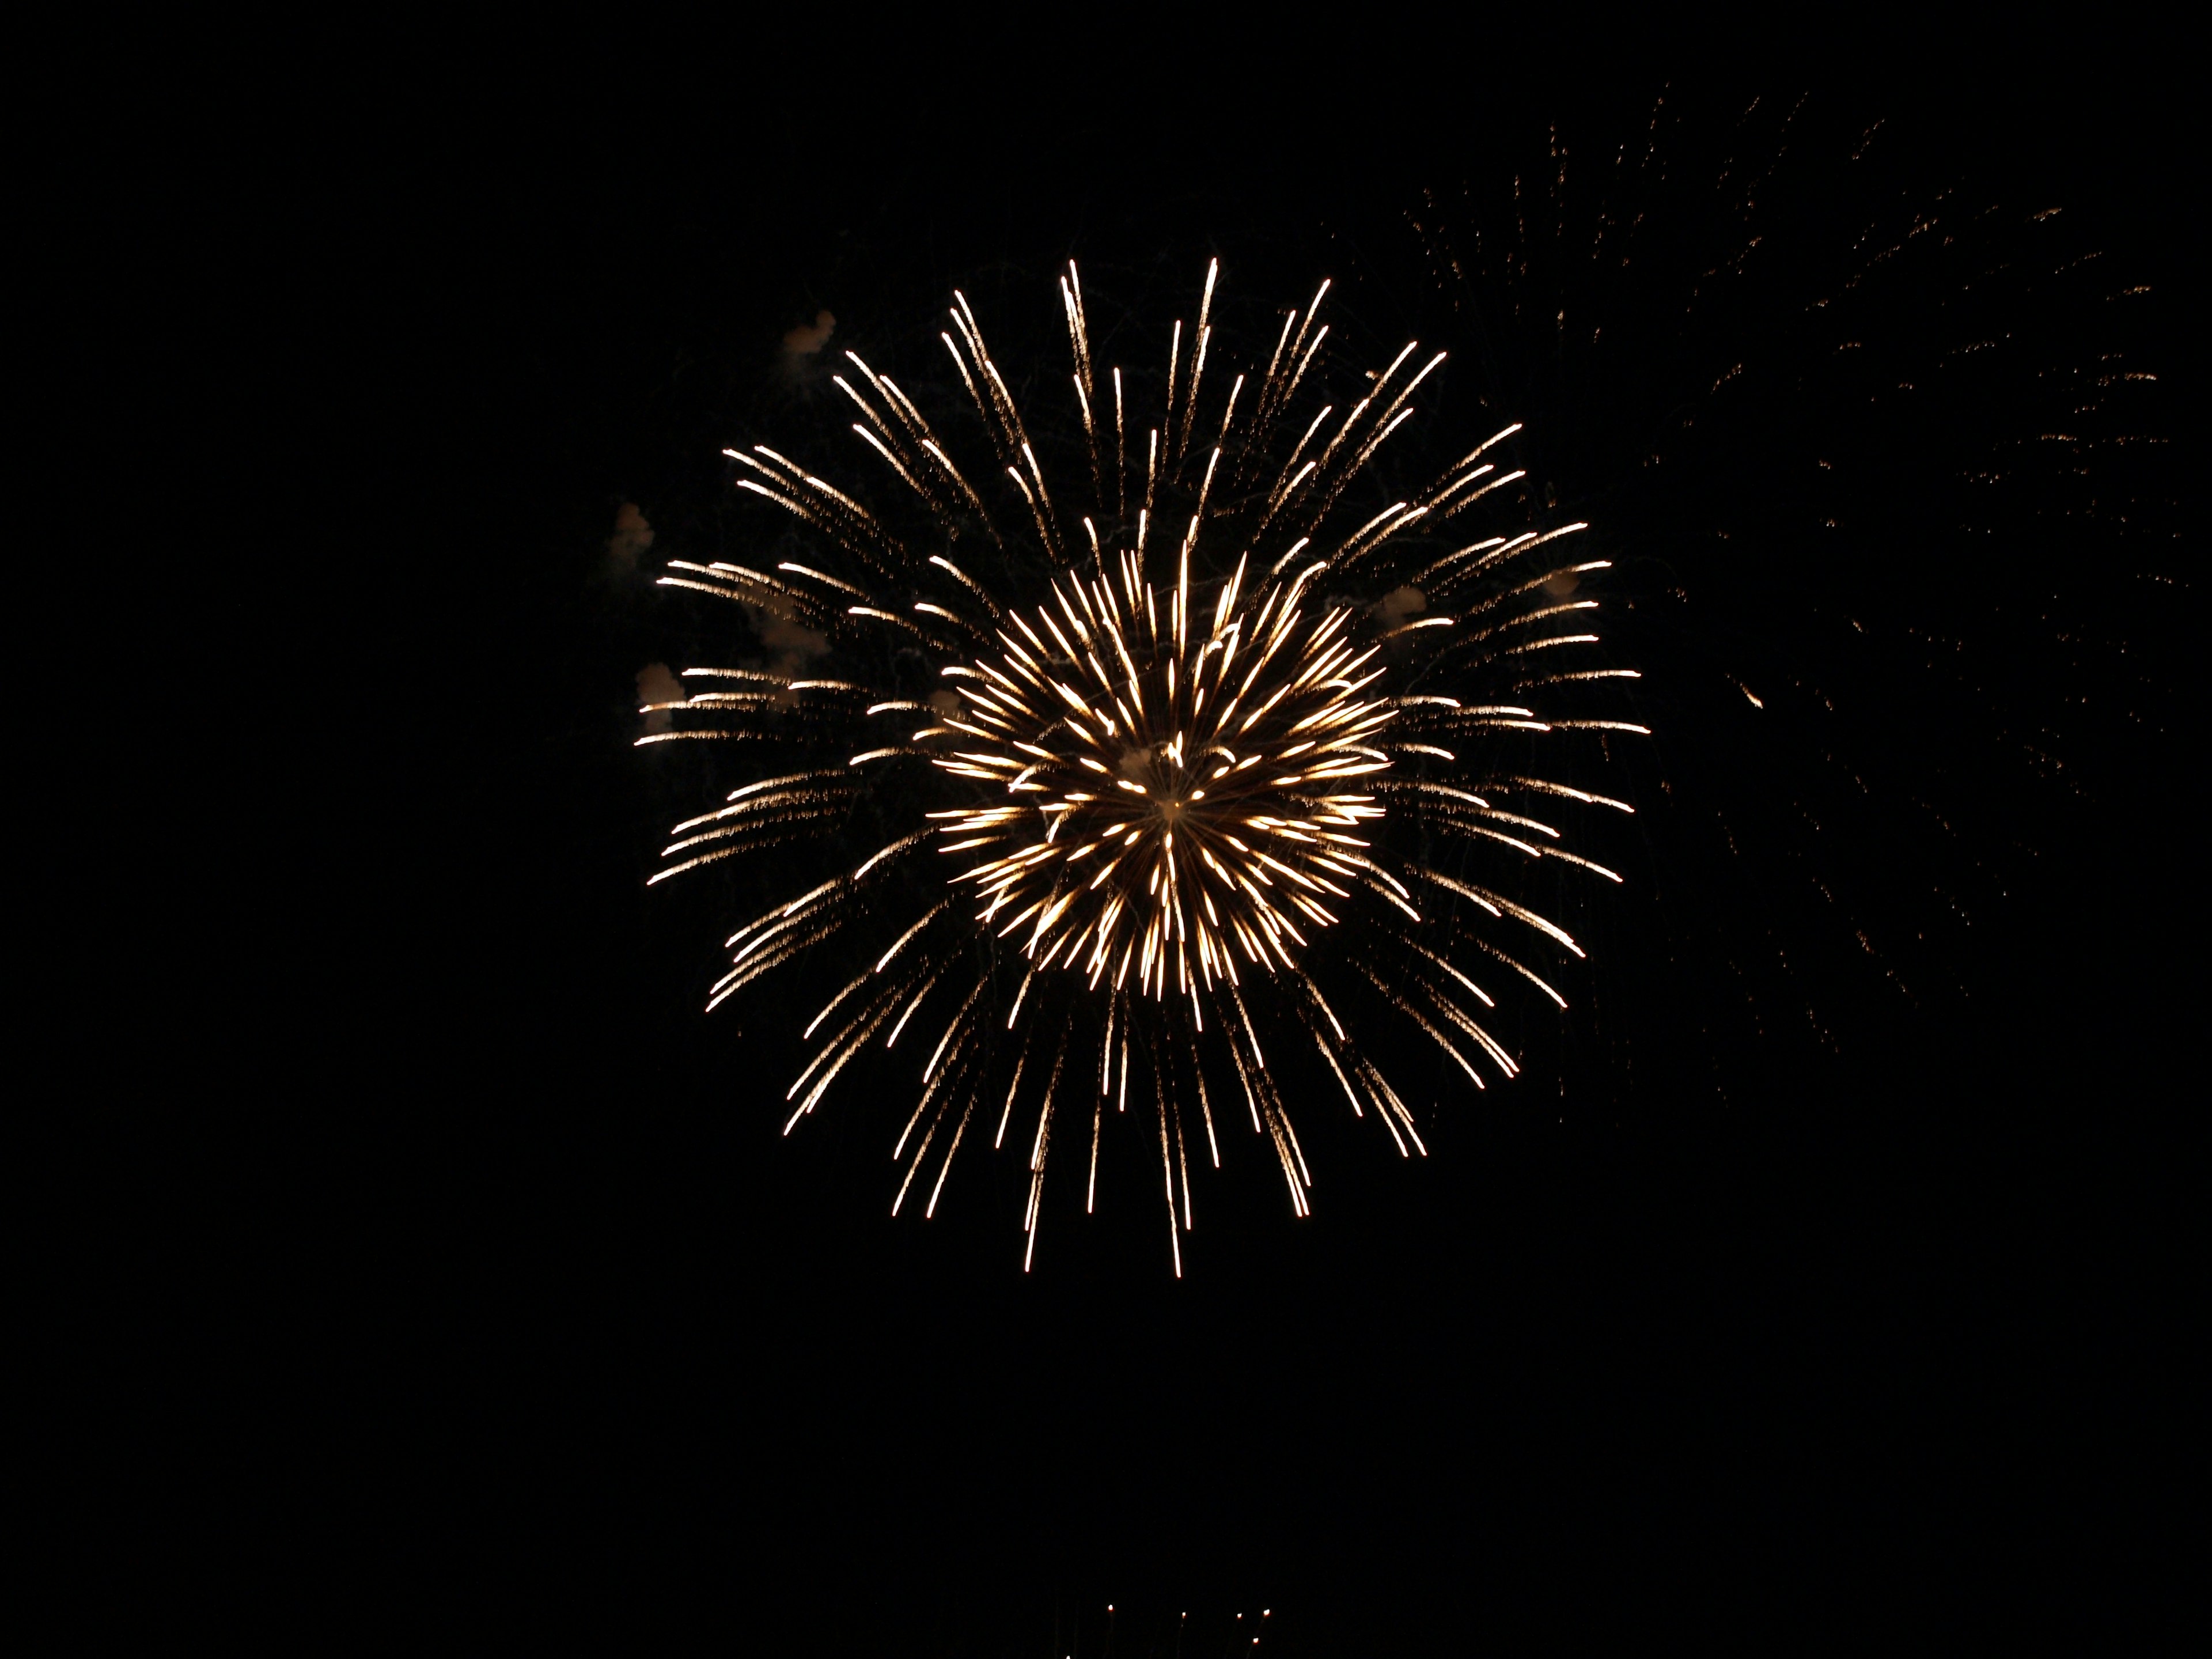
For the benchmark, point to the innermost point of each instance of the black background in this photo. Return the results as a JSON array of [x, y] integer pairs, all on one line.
[[520, 1309]]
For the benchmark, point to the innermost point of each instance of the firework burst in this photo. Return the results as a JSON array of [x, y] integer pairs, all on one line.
[[1219, 762]]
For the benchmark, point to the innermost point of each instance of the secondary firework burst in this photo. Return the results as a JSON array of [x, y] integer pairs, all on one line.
[[1215, 761]]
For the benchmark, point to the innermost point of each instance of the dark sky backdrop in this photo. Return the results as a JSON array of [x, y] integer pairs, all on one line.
[[1704, 1324]]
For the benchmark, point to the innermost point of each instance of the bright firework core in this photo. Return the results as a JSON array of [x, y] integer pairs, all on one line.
[[1180, 808]]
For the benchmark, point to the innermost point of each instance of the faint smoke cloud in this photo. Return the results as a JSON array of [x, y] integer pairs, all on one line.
[[633, 536], [806, 340], [792, 646], [1401, 603], [657, 684]]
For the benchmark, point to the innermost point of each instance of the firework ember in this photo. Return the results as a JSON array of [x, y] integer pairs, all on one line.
[[1161, 772]]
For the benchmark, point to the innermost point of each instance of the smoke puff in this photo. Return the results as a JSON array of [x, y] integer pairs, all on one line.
[[633, 536], [792, 646], [806, 341], [1401, 603], [656, 684]]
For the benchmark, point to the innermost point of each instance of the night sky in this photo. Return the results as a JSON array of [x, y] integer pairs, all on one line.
[[1819, 1277]]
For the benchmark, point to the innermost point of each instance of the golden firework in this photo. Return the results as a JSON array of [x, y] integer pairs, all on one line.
[[1158, 790]]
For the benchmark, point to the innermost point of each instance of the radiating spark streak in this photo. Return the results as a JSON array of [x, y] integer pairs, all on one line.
[[946, 1168], [1175, 355], [1382, 1111], [1206, 1110], [961, 364], [1588, 674], [1461, 828], [927, 986], [952, 1026], [1528, 617], [736, 674], [1426, 1025], [1460, 1018], [864, 1024], [1090, 1191], [1489, 812], [1522, 969], [1305, 362], [767, 934], [692, 863], [1458, 469], [1321, 1043], [1012, 1089], [1264, 403], [1545, 787], [1385, 1094], [1539, 644], [907, 938], [891, 852], [1471, 497], [756, 804], [1553, 852], [827, 582], [1183, 1159], [1167, 1168], [785, 950], [1423, 951], [898, 1151], [1121, 450], [1544, 579], [701, 587], [832, 1003], [1495, 902], [1288, 481], [1039, 1146], [1014, 1012]]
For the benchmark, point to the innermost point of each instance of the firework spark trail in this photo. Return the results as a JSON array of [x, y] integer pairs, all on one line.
[[1180, 767]]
